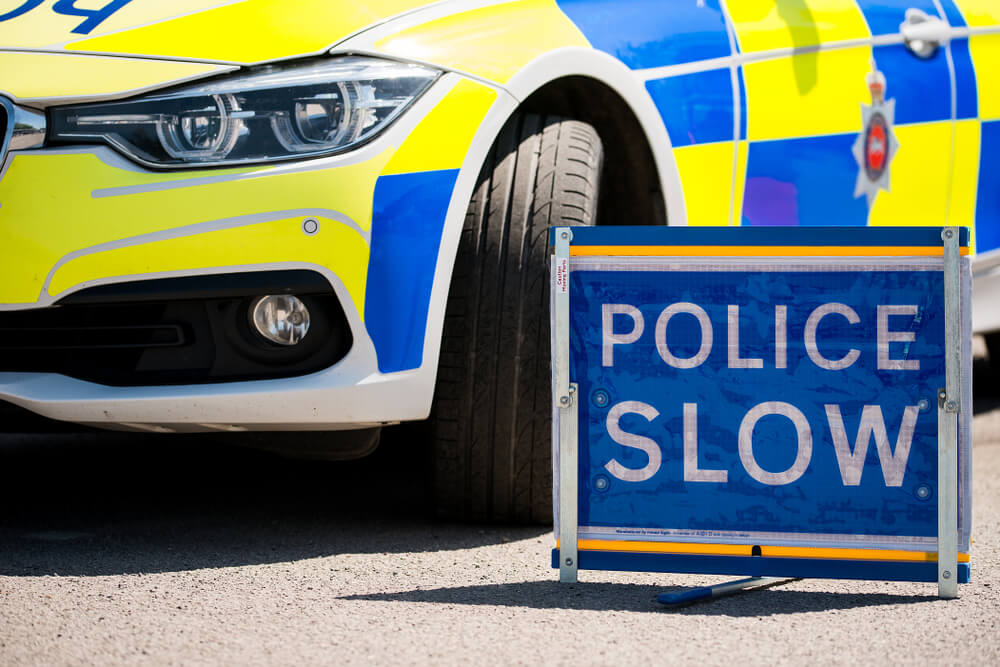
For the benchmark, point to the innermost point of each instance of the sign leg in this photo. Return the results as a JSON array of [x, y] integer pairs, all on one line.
[[949, 405], [568, 481], [564, 396]]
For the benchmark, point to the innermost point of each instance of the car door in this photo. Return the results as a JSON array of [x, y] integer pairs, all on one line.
[[975, 49], [846, 123]]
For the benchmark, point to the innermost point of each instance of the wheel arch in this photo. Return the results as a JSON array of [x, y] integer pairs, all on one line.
[[630, 190], [561, 82], [621, 110]]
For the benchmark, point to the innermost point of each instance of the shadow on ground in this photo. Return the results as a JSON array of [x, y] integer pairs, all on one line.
[[635, 597], [104, 504]]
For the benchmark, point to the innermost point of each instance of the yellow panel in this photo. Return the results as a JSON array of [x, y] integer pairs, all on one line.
[[807, 94], [39, 225], [980, 12], [251, 31], [918, 178], [145, 12], [763, 25], [43, 27], [986, 58], [42, 75], [965, 176], [706, 172], [741, 181], [491, 42], [335, 245], [443, 137]]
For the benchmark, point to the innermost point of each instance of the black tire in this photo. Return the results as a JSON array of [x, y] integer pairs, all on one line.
[[491, 421]]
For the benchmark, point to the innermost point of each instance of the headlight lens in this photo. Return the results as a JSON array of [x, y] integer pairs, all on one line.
[[273, 113]]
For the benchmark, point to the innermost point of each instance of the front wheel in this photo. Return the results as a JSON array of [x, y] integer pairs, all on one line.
[[492, 416]]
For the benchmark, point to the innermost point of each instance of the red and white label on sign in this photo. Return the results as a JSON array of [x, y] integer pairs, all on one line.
[[562, 275]]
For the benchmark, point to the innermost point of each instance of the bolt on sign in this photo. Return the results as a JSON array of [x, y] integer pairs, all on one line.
[[763, 401]]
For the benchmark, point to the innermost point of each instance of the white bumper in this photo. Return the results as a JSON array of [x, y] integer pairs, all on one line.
[[339, 398]]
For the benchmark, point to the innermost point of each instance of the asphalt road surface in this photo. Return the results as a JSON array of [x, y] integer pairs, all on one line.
[[168, 550]]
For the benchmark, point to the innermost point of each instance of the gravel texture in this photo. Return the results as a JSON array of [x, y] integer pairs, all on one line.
[[159, 550]]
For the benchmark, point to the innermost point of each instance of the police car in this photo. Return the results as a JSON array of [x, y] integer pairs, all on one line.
[[259, 215]]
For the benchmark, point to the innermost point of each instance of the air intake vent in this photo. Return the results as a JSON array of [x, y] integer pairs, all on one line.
[[188, 330]]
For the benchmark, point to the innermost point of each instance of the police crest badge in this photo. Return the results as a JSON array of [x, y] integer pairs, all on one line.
[[876, 145]]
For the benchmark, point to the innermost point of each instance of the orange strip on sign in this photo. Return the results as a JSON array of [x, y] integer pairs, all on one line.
[[766, 551], [756, 251], [665, 547], [854, 554]]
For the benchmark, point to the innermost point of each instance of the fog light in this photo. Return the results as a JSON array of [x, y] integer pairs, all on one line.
[[280, 318]]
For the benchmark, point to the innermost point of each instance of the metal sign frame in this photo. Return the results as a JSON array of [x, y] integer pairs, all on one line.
[[950, 404]]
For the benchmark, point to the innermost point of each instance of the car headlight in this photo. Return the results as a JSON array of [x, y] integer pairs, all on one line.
[[267, 114]]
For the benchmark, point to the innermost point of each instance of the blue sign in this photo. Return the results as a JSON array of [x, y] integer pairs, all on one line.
[[758, 400]]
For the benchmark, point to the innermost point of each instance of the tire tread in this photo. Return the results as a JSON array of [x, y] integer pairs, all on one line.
[[491, 422]]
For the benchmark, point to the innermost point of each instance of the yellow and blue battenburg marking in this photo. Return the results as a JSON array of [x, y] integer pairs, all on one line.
[[697, 107], [407, 224], [762, 99], [643, 511]]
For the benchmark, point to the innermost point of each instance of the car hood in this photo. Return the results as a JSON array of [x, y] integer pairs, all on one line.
[[217, 31]]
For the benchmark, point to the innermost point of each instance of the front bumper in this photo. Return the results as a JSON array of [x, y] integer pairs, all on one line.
[[344, 397]]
